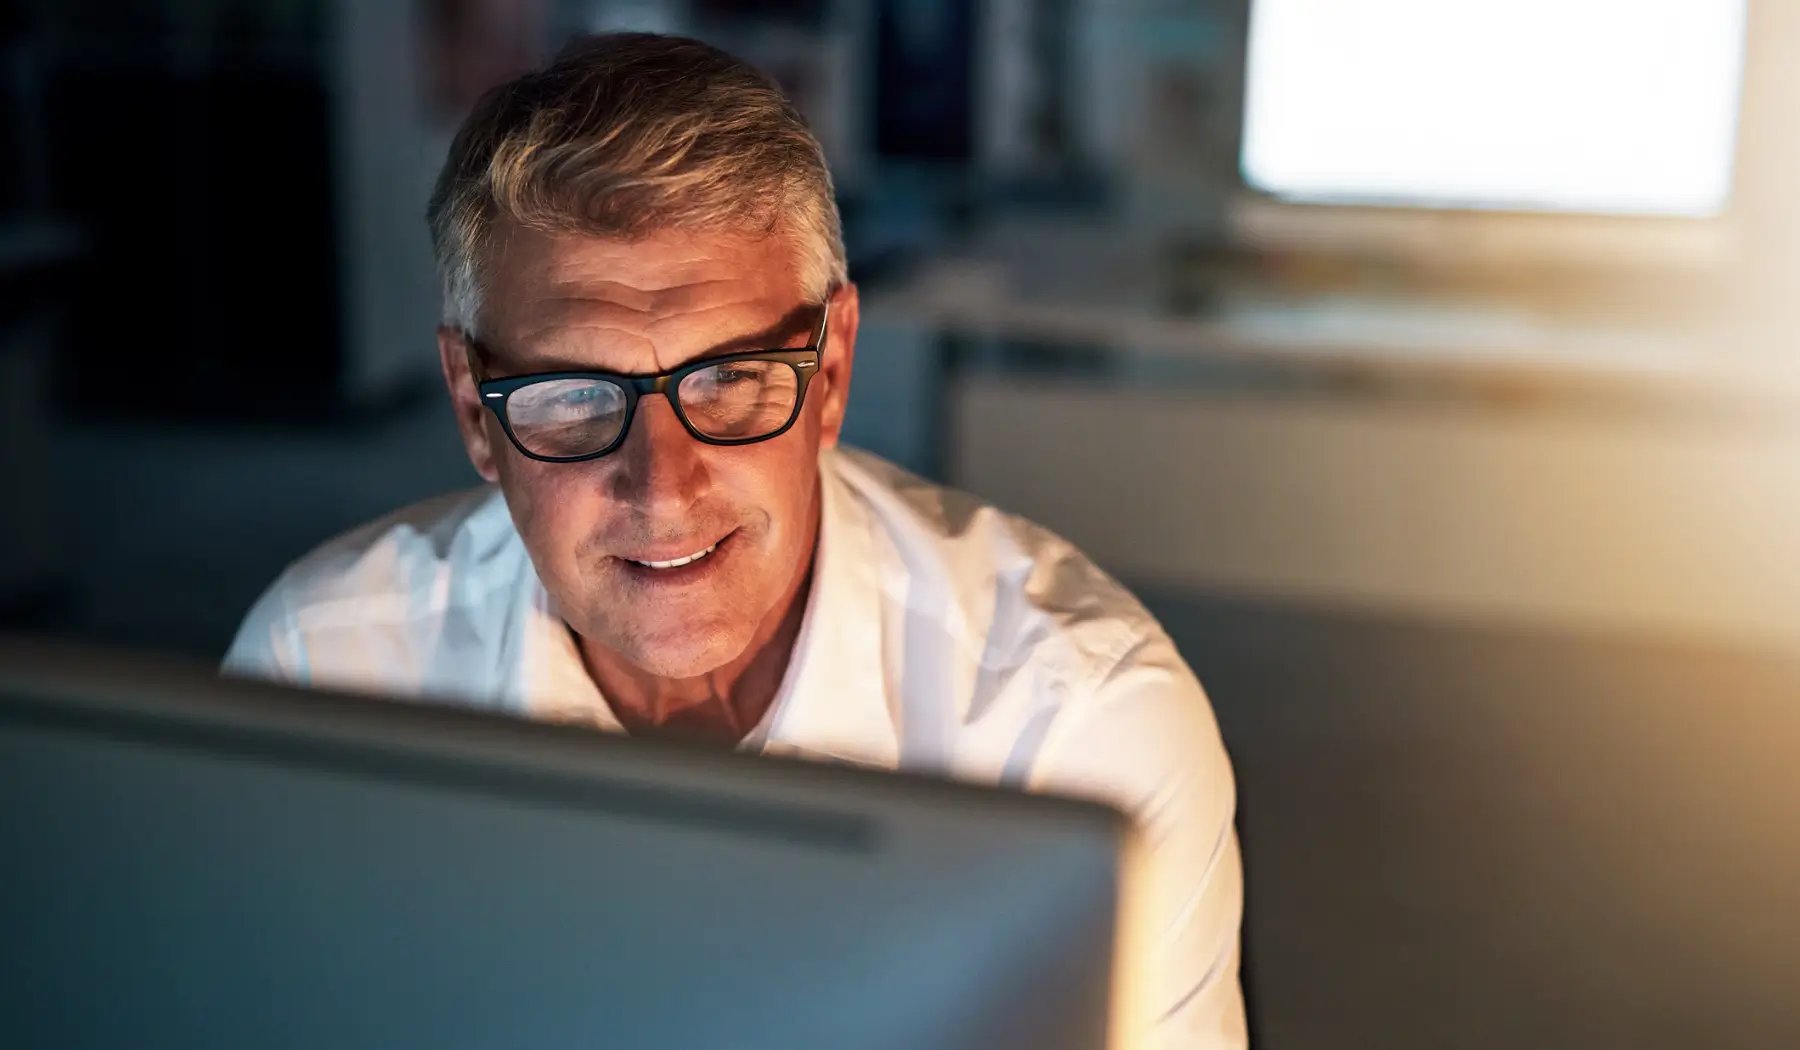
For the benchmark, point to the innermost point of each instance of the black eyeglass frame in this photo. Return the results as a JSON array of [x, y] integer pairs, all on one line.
[[495, 393]]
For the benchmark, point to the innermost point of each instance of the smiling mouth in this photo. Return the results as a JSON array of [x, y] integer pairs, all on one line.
[[675, 563]]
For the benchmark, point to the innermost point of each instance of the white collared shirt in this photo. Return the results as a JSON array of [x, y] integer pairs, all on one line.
[[940, 635]]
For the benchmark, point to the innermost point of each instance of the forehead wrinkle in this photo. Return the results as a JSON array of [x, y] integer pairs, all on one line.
[[590, 278], [557, 347], [748, 327], [704, 317], [679, 300], [676, 298], [560, 288], [583, 311], [552, 316]]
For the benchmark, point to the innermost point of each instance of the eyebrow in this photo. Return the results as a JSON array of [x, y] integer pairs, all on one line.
[[798, 321]]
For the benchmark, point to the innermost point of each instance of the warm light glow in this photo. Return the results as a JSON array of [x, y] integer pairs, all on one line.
[[1608, 106]]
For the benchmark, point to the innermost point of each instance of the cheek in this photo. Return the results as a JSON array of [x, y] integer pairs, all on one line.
[[781, 484], [554, 506]]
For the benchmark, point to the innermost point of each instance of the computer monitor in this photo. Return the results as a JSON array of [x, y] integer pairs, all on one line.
[[203, 863], [1512, 135], [1618, 107]]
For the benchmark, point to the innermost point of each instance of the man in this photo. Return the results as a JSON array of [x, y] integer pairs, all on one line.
[[648, 335]]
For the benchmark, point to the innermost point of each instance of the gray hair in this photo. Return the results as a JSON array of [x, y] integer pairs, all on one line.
[[625, 135]]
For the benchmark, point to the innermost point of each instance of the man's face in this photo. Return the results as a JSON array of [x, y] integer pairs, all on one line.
[[575, 303]]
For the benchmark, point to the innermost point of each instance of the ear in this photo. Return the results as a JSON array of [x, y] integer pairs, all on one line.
[[472, 419], [835, 364]]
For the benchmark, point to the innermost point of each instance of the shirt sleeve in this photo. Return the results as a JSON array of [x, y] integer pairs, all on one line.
[[267, 644], [1146, 742]]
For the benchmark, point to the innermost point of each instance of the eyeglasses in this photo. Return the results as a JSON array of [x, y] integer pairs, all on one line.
[[734, 399]]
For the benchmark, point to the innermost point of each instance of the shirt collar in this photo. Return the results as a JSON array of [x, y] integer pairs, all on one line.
[[833, 701]]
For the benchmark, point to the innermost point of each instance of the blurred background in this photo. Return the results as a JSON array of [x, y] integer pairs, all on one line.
[[1429, 367]]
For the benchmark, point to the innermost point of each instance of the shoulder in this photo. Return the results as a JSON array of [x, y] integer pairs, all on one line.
[[402, 568], [399, 556], [1047, 640], [1009, 588]]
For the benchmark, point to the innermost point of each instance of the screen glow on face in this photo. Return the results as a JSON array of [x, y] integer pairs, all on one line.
[[1622, 107]]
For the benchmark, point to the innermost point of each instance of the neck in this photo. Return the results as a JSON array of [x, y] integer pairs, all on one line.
[[723, 704]]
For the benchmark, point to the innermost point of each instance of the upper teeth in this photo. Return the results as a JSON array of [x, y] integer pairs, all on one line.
[[675, 563]]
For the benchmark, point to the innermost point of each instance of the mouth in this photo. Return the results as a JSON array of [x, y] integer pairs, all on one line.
[[681, 567], [675, 563]]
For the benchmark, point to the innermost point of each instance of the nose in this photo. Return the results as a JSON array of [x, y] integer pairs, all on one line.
[[659, 469]]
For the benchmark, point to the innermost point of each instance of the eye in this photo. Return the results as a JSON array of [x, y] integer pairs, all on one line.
[[564, 399], [585, 395]]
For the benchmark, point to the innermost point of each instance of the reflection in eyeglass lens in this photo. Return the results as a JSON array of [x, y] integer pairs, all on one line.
[[736, 400], [566, 417]]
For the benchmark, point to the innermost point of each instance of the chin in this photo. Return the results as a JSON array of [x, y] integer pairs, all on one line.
[[684, 651]]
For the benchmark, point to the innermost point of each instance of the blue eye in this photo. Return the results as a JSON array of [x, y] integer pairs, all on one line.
[[566, 399], [587, 395]]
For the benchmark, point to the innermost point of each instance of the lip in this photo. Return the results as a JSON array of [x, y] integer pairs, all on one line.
[[671, 551], [690, 572]]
